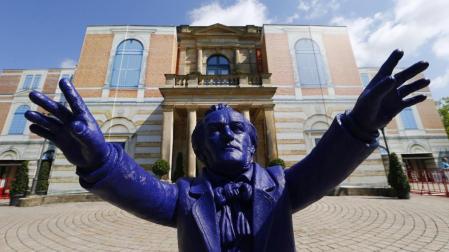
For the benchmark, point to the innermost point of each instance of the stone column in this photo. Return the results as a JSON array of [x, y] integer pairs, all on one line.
[[167, 136], [199, 60], [271, 132], [191, 164], [245, 112]]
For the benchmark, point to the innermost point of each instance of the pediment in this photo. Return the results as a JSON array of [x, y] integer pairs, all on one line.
[[218, 29]]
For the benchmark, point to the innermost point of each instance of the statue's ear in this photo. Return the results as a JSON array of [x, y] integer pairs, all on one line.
[[252, 149]]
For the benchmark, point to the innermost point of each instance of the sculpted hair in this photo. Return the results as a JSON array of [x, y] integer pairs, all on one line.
[[199, 133]]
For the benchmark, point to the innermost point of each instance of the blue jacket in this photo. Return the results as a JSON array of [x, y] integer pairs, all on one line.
[[189, 206]]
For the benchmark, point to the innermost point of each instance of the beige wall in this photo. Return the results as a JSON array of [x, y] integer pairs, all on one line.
[[278, 57], [93, 63], [4, 110], [51, 82], [342, 66], [429, 115], [9, 83], [161, 59]]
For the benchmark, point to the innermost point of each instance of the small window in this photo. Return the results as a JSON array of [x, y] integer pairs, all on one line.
[[127, 64], [31, 81], [18, 121], [218, 65], [365, 79], [408, 119]]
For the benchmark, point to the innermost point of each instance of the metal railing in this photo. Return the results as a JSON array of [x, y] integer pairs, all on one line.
[[196, 79], [429, 181]]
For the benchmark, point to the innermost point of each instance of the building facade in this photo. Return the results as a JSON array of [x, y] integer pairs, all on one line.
[[147, 86]]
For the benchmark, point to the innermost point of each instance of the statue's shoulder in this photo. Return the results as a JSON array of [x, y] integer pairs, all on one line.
[[277, 174]]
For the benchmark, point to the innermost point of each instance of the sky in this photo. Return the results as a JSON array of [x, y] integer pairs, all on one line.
[[49, 33]]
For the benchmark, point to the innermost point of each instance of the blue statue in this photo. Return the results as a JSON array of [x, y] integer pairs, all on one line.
[[234, 205]]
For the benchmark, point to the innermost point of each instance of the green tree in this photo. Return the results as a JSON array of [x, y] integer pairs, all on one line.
[[44, 173], [397, 179], [19, 186], [444, 113]]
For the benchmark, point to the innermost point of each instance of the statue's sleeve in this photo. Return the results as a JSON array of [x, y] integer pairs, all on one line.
[[122, 182], [333, 159]]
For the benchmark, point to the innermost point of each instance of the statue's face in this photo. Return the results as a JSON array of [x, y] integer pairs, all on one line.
[[228, 146]]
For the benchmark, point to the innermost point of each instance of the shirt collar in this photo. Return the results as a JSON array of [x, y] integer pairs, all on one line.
[[218, 180]]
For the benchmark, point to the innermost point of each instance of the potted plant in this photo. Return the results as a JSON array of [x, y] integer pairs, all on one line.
[[160, 168], [19, 186], [397, 179], [277, 161]]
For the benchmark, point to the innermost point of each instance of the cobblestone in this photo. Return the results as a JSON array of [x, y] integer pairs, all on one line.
[[331, 224]]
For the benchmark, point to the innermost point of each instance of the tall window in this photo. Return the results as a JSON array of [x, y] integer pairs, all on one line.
[[408, 119], [365, 79], [127, 63], [217, 65], [31, 81], [310, 63], [18, 121]]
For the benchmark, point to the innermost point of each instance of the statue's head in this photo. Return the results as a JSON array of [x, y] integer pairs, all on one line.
[[225, 141]]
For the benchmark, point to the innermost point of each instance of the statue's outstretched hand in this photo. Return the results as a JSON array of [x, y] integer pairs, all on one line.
[[384, 97], [75, 132]]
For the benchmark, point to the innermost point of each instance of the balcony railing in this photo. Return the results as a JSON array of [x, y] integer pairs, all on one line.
[[195, 80]]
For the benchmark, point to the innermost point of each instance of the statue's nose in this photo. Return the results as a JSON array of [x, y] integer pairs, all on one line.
[[228, 135]]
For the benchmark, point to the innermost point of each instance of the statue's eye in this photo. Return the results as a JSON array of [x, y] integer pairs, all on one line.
[[237, 127], [213, 128]]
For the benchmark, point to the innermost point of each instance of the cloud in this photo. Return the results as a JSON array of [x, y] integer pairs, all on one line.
[[243, 12], [67, 63], [441, 82], [410, 25], [317, 8]]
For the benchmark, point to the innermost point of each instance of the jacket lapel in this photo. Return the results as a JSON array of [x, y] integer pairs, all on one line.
[[204, 212], [264, 188]]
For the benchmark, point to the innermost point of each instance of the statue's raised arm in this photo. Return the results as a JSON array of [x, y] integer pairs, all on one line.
[[353, 135], [104, 168]]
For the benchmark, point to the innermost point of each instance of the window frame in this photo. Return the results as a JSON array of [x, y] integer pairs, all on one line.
[[319, 62], [115, 57]]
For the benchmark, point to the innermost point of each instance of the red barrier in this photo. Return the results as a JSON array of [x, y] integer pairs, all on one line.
[[429, 181]]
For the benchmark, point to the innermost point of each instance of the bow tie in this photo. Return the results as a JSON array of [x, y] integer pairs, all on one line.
[[233, 194]]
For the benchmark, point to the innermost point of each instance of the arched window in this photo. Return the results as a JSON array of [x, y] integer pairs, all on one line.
[[18, 121], [218, 65], [310, 63], [127, 63]]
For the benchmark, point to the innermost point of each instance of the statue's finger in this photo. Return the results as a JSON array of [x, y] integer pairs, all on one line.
[[43, 132], [389, 65], [55, 108], [411, 72], [52, 124], [413, 100], [405, 90], [73, 98]]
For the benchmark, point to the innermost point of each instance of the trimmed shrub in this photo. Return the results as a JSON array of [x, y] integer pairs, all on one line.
[[397, 179], [277, 161], [179, 169], [160, 168], [42, 179], [19, 186]]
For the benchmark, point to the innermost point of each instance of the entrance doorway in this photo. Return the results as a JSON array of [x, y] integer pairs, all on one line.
[[7, 174]]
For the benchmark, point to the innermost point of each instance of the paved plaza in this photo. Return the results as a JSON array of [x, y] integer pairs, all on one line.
[[331, 224]]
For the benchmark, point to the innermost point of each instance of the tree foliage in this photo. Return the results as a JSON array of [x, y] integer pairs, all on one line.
[[44, 173], [397, 179], [20, 184], [444, 113]]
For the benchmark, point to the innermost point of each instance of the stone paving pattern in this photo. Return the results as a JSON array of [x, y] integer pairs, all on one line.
[[331, 224]]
